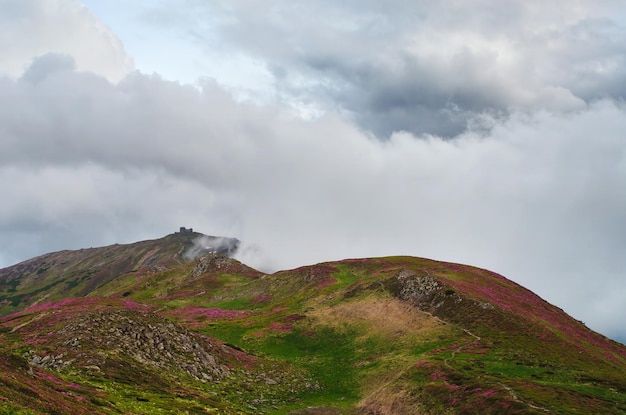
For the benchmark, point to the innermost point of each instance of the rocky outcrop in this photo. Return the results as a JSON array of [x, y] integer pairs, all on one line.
[[146, 338], [429, 294], [434, 296], [56, 362], [211, 262], [416, 289]]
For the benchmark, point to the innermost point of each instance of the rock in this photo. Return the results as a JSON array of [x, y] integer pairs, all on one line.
[[210, 262], [414, 288], [160, 343]]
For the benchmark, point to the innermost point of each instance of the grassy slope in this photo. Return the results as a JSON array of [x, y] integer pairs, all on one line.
[[387, 335], [77, 273]]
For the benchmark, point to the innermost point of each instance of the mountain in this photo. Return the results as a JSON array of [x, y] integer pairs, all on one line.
[[77, 273], [176, 325]]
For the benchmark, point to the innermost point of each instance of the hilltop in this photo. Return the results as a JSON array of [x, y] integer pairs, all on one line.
[[145, 328], [77, 273]]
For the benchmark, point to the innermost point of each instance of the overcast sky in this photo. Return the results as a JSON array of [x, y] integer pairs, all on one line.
[[484, 132]]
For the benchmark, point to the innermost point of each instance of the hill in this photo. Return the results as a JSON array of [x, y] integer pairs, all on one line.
[[77, 273], [142, 328]]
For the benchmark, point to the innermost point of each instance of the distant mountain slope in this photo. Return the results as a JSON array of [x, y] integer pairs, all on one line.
[[394, 335], [76, 273]]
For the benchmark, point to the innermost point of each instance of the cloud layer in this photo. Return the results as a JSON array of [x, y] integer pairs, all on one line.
[[528, 182], [423, 67]]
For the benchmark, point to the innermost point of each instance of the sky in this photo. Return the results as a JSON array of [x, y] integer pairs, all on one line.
[[482, 132]]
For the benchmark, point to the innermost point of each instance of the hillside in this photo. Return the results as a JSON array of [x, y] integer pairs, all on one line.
[[77, 273], [142, 328]]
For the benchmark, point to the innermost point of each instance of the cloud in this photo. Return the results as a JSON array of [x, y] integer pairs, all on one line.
[[54, 207], [47, 65], [31, 28], [538, 196], [207, 244], [423, 67]]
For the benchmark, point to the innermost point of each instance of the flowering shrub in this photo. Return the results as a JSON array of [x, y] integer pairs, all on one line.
[[280, 327], [261, 299], [496, 290], [193, 316]]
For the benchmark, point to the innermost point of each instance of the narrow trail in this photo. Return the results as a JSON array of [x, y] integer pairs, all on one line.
[[506, 387], [460, 348], [474, 339], [32, 320], [515, 398]]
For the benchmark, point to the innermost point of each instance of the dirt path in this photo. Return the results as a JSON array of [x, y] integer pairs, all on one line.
[[516, 399], [460, 348], [506, 387]]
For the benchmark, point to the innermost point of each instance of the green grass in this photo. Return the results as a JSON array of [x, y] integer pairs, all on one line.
[[239, 303], [130, 395], [511, 369], [345, 276], [310, 338], [327, 354], [8, 408]]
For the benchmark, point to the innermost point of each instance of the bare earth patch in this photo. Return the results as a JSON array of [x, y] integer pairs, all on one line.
[[389, 317]]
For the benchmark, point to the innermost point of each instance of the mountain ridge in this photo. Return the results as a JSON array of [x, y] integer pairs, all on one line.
[[389, 335], [78, 272]]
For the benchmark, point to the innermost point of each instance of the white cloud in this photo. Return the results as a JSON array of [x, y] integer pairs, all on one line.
[[31, 28], [56, 207], [538, 198]]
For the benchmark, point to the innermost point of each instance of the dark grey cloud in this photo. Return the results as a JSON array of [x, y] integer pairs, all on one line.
[[425, 67]]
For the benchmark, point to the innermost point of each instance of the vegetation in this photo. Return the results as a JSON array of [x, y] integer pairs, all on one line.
[[147, 332]]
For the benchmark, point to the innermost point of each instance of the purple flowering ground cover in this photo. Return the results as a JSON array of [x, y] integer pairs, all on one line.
[[153, 333]]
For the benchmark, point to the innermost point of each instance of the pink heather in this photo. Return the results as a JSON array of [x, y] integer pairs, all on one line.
[[281, 327], [497, 290], [261, 298], [490, 392], [133, 305], [211, 313]]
